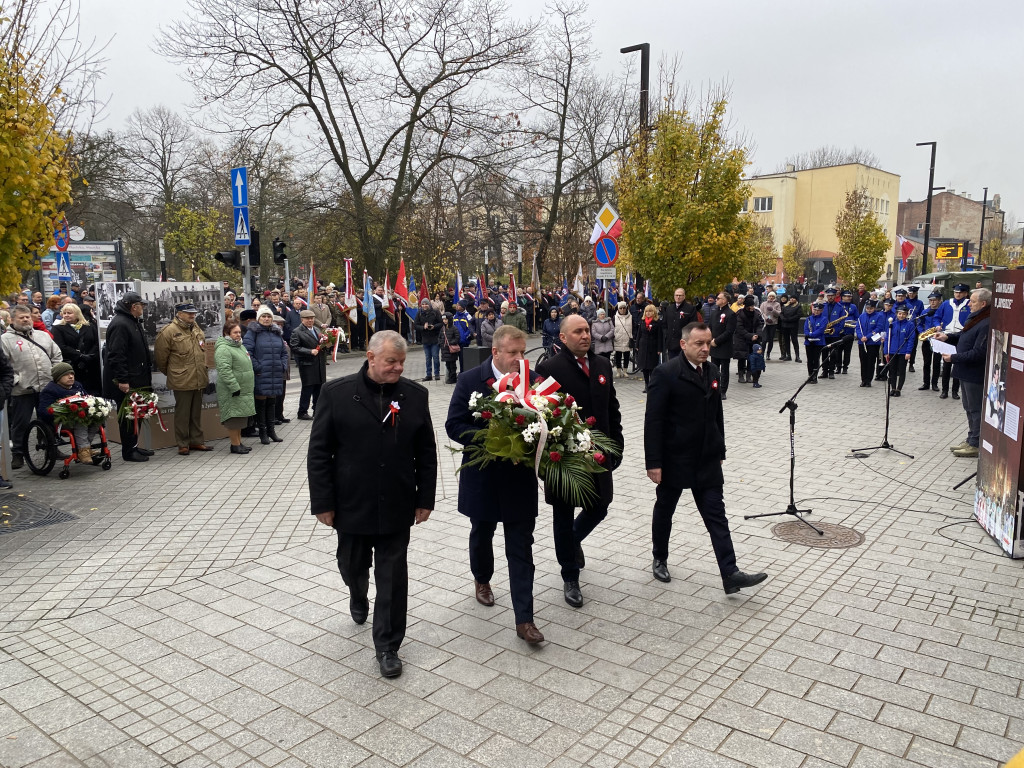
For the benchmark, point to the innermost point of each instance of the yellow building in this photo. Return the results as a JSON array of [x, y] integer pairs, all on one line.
[[809, 201]]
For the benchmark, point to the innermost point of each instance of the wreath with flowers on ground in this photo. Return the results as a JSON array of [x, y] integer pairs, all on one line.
[[543, 427]]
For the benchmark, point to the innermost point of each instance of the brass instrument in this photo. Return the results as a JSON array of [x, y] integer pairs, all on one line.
[[935, 331], [833, 323]]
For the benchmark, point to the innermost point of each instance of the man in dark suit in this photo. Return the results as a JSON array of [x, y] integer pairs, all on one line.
[[372, 466], [588, 378], [312, 362], [684, 446], [722, 324], [676, 314], [501, 492]]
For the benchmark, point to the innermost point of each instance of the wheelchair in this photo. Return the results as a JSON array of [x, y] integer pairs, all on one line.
[[41, 449]]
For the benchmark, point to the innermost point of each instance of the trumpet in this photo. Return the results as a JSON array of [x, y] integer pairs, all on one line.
[[935, 331], [834, 323]]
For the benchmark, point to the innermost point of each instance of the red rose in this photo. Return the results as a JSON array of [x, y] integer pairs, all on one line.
[[490, 382], [50, 409], [486, 415], [555, 456], [599, 457], [557, 412], [520, 419], [569, 401], [591, 421]]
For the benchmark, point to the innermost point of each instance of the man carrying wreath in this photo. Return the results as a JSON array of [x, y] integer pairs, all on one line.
[[127, 365], [501, 492]]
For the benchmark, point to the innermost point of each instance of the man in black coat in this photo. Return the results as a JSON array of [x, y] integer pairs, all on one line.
[[684, 447], [127, 365], [312, 362], [501, 492], [588, 378], [428, 326], [722, 324], [676, 314], [372, 466]]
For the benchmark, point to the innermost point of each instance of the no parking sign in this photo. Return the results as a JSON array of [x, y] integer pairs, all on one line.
[[61, 236], [606, 251]]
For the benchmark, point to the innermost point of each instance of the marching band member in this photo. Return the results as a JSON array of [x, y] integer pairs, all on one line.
[[927, 320], [848, 327], [897, 346], [871, 328], [953, 315], [833, 314], [916, 308], [814, 339], [888, 318]]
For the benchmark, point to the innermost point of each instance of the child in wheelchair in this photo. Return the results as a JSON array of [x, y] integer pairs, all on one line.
[[64, 385]]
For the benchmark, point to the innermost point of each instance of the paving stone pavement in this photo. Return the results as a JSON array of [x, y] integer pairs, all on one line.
[[193, 615]]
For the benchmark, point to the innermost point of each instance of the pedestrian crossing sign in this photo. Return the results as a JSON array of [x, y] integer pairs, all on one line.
[[64, 267], [242, 235]]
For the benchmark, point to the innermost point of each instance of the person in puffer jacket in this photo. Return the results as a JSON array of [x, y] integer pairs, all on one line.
[[269, 354]]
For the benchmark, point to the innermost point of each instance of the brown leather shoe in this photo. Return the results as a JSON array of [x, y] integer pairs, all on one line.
[[529, 632], [201, 447], [183, 451], [484, 596]]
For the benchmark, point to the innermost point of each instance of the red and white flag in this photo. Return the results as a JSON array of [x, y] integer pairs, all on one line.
[[906, 248], [513, 296]]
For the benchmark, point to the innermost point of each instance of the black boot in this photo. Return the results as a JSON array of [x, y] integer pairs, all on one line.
[[261, 421], [269, 418]]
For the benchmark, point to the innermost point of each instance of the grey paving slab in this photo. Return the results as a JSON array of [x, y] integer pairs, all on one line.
[[193, 615]]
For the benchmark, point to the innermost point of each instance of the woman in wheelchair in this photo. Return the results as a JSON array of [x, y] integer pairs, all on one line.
[[64, 385]]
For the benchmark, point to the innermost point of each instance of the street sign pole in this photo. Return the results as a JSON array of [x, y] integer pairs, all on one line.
[[247, 277], [287, 277]]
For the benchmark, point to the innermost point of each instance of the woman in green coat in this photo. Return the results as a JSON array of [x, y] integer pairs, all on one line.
[[235, 381]]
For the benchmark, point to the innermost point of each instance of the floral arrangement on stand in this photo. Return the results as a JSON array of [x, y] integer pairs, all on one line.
[[138, 406], [539, 426], [330, 338], [80, 411]]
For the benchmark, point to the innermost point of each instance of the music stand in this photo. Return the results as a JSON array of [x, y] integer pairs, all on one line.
[[791, 508], [857, 453], [964, 481]]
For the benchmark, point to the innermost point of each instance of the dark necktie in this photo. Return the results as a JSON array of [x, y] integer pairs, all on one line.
[[583, 365]]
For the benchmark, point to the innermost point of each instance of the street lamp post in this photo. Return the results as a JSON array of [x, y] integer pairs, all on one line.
[[984, 215], [928, 210], [645, 79], [486, 276], [519, 261]]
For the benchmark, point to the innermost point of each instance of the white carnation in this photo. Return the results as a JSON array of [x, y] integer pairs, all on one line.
[[474, 399]]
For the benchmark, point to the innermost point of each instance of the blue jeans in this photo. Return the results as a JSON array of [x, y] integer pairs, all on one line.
[[433, 354]]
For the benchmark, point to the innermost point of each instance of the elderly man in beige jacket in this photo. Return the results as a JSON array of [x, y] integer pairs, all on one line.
[[180, 353]]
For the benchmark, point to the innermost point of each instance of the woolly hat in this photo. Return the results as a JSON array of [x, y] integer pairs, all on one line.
[[60, 369], [749, 301], [264, 310]]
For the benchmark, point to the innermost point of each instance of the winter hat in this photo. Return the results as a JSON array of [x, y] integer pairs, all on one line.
[[247, 314], [756, 348], [264, 310], [748, 301], [60, 369]]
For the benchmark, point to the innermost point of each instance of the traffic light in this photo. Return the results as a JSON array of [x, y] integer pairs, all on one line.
[[279, 253], [254, 248], [231, 259]]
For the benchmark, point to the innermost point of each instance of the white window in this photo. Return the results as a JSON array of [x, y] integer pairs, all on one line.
[[762, 204]]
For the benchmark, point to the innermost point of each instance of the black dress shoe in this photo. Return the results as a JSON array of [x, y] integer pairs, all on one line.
[[136, 456], [943, 395], [935, 387], [390, 664], [912, 368], [864, 385], [573, 596], [304, 417], [831, 375], [238, 449], [17, 462], [923, 388], [145, 451], [660, 571], [956, 395], [359, 607], [734, 582], [581, 560]]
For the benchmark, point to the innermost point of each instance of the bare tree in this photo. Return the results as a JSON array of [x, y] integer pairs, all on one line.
[[160, 152], [383, 91], [827, 156]]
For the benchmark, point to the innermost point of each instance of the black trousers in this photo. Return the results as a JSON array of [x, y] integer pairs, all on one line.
[[279, 403], [813, 352], [723, 365], [913, 353], [932, 364], [21, 409], [790, 342], [570, 531], [947, 371], [306, 394], [390, 574], [831, 358], [769, 340], [847, 347], [125, 428], [868, 361], [518, 552], [711, 505], [897, 372], [622, 360]]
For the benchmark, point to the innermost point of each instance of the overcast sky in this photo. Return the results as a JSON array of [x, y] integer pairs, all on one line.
[[879, 74]]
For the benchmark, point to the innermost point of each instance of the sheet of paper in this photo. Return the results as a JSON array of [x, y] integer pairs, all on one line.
[[1012, 422], [876, 337], [942, 347]]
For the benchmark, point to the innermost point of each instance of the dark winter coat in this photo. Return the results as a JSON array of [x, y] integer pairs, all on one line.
[[791, 314], [126, 356], [312, 368], [749, 323], [649, 343], [971, 348], [722, 323], [550, 330], [676, 317], [501, 491], [432, 318], [269, 358], [81, 348], [684, 430], [6, 377], [449, 337], [372, 473], [595, 395]]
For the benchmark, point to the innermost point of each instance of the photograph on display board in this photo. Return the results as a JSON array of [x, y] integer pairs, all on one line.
[[208, 298], [994, 409], [107, 296]]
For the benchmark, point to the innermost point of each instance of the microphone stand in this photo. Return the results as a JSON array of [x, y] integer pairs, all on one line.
[[791, 508], [857, 453]]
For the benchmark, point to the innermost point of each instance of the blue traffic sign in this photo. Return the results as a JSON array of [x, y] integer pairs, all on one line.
[[242, 232], [606, 251], [240, 187], [64, 273]]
